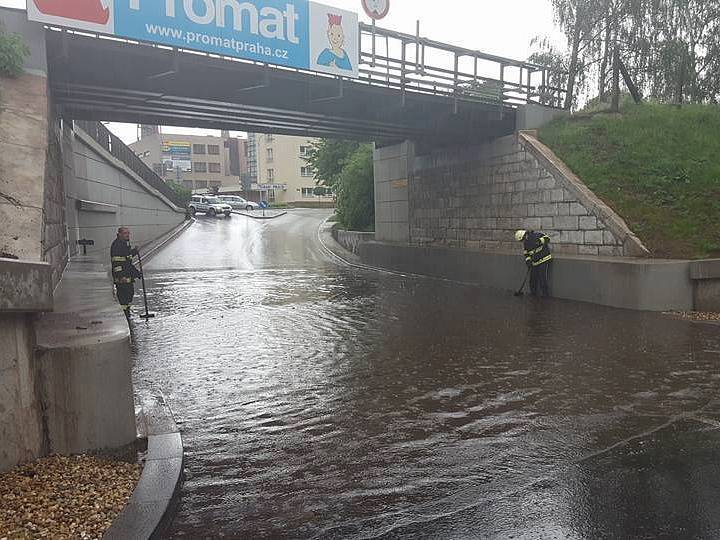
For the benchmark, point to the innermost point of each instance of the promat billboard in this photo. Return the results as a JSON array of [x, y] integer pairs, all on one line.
[[293, 33]]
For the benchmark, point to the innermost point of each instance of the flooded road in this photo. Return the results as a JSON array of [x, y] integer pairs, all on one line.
[[323, 401]]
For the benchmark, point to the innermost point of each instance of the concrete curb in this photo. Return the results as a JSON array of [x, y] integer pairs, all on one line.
[[351, 240], [154, 247], [255, 216], [151, 506], [335, 248]]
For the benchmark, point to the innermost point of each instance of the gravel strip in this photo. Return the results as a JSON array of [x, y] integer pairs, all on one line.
[[64, 497], [694, 315]]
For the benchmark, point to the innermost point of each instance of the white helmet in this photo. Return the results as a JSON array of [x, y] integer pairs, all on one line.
[[520, 235]]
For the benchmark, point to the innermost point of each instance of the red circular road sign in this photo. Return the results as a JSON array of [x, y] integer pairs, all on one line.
[[376, 9]]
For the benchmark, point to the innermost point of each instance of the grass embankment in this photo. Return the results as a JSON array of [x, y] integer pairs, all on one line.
[[657, 166]]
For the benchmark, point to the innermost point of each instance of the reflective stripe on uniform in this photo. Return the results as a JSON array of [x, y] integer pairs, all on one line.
[[543, 260], [118, 259], [123, 280], [117, 268]]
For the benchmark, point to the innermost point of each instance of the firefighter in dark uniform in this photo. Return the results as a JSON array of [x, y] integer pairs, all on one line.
[[123, 270], [537, 259]]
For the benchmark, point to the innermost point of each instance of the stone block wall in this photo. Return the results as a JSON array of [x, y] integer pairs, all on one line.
[[55, 245], [477, 197]]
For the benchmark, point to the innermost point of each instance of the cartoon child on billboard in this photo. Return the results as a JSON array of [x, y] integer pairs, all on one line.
[[335, 56]]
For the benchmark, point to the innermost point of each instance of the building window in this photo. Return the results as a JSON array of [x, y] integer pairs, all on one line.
[[214, 167], [213, 149], [200, 184], [270, 154], [304, 151], [198, 148], [306, 171], [271, 196], [200, 167], [308, 192], [271, 175], [215, 184]]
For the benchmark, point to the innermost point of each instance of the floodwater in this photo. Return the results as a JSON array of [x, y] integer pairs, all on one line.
[[323, 401]]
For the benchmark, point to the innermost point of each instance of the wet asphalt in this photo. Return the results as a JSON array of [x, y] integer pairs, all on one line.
[[318, 400]]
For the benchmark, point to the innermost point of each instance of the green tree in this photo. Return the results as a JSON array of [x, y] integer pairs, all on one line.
[[671, 48], [13, 51], [356, 191], [327, 158], [184, 193], [557, 64]]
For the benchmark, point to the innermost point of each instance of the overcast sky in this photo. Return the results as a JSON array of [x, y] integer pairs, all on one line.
[[502, 28]]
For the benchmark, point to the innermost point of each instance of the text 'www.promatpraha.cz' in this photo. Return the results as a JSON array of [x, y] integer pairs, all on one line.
[[197, 38]]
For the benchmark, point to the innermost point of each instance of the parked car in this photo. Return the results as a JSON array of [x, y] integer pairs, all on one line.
[[210, 206], [238, 203]]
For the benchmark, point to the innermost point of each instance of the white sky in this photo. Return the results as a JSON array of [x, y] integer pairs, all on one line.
[[501, 28]]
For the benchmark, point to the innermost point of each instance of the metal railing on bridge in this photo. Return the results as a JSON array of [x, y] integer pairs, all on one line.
[[118, 149], [416, 64]]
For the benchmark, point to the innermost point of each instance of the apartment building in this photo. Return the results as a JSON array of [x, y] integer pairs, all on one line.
[[194, 161], [278, 172]]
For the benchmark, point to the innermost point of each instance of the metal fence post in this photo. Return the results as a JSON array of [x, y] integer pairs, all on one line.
[[403, 72], [529, 82], [456, 78]]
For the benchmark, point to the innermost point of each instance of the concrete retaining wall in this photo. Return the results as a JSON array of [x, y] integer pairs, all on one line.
[[392, 168], [640, 284], [706, 279], [21, 435], [86, 383], [25, 283], [26, 286], [75, 395], [351, 240], [535, 116], [23, 145], [102, 194]]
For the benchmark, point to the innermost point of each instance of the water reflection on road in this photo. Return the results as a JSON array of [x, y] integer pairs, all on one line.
[[321, 401]]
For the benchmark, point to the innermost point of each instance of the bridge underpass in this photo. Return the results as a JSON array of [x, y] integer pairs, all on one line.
[[428, 91], [457, 387], [76, 76]]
